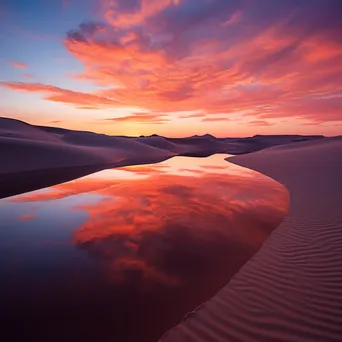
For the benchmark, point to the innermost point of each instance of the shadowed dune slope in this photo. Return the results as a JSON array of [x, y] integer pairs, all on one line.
[[11, 128], [24, 147], [32, 157], [160, 142], [291, 289]]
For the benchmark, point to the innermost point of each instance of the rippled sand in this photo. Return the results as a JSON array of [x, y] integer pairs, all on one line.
[[291, 289]]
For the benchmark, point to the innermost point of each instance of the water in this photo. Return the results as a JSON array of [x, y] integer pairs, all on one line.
[[124, 254]]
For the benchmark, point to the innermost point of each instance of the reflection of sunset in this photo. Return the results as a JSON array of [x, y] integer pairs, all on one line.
[[207, 208], [129, 246], [183, 166], [206, 198], [135, 206], [27, 217]]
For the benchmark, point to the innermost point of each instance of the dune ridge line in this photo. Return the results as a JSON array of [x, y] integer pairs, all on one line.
[[33, 157]]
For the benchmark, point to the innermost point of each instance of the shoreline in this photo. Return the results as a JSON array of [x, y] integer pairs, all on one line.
[[20, 182], [289, 290], [33, 156]]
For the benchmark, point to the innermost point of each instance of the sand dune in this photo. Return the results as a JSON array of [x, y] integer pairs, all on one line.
[[32, 158], [24, 147], [161, 142], [291, 289], [36, 156], [10, 128]]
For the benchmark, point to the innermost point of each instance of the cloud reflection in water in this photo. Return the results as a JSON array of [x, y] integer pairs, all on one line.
[[164, 238]]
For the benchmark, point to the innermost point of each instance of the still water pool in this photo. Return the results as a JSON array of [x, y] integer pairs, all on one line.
[[123, 254]]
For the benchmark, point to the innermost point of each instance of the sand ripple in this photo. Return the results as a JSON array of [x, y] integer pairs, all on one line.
[[291, 290]]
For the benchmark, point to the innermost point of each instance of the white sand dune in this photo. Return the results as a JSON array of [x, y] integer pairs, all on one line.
[[161, 142], [291, 290], [10, 128], [24, 147], [32, 157]]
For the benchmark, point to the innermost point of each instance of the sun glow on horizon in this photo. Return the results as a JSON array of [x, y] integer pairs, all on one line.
[[228, 68]]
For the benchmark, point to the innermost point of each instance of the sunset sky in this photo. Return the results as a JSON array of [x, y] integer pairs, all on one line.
[[173, 67]]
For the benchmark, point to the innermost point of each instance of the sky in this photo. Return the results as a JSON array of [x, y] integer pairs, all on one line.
[[173, 67]]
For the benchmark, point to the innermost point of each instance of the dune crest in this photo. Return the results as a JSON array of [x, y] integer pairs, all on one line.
[[34, 157], [291, 289], [25, 147]]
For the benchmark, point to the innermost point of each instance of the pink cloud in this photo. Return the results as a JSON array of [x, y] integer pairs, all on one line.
[[143, 118], [56, 94], [261, 123], [18, 65], [268, 59], [265, 69], [233, 19], [192, 115], [28, 76], [116, 16], [214, 119]]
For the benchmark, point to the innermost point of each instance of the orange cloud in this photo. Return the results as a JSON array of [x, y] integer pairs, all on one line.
[[28, 76], [193, 115], [260, 123], [223, 57], [56, 94], [143, 118], [152, 71], [205, 205], [214, 119], [18, 65]]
